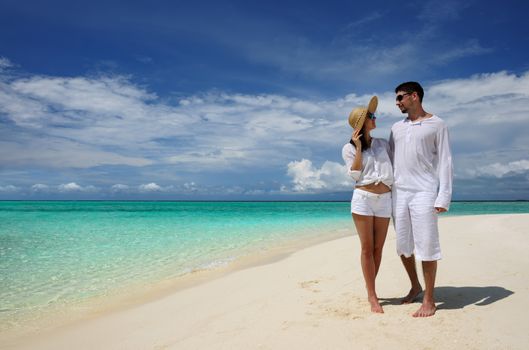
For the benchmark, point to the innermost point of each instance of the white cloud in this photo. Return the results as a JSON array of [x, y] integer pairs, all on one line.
[[119, 188], [73, 187], [304, 176], [40, 188], [8, 188], [190, 187], [307, 178], [483, 99], [84, 108], [501, 169], [153, 187], [5, 63]]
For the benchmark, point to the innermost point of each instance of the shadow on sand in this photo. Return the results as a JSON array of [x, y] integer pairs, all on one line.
[[450, 298]]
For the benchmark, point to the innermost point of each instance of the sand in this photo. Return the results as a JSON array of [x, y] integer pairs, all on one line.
[[315, 299]]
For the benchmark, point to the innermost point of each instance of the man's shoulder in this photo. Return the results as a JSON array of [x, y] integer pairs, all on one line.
[[438, 120]]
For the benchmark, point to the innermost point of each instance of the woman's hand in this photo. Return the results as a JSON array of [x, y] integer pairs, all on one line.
[[356, 139]]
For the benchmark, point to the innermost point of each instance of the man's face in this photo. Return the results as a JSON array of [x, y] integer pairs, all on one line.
[[403, 100]]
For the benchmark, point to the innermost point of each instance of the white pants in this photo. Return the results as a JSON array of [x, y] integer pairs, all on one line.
[[415, 221], [371, 204]]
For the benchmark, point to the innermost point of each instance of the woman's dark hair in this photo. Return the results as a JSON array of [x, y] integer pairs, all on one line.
[[363, 141], [409, 87]]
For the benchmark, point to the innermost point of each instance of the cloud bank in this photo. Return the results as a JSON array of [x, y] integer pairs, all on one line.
[[105, 127]]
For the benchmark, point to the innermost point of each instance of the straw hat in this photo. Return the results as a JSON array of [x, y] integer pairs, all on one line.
[[358, 115]]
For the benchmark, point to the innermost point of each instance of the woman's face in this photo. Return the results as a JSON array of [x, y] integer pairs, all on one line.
[[369, 124]]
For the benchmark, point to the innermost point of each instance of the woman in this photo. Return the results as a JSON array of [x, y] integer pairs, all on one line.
[[368, 163]]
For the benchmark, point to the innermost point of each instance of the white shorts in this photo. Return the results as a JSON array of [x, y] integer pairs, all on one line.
[[415, 221], [371, 204]]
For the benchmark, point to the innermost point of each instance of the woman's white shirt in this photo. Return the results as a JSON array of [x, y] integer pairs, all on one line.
[[376, 164]]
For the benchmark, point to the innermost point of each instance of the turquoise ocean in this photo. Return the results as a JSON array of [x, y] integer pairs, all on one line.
[[60, 254]]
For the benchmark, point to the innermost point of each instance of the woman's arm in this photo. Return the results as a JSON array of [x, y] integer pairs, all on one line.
[[353, 158], [357, 163]]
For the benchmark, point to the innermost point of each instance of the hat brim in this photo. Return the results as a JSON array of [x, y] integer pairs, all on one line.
[[373, 104], [371, 108]]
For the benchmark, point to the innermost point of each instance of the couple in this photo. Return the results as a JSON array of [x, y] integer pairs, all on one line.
[[409, 177]]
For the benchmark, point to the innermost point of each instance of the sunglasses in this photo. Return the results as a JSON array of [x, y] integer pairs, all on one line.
[[371, 116], [400, 97]]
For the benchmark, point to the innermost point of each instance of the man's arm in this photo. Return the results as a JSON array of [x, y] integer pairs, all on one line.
[[391, 143], [445, 170]]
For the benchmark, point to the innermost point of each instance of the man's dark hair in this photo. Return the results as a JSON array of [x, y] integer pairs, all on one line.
[[409, 87]]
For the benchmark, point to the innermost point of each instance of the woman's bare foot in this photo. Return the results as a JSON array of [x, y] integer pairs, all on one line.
[[426, 310], [375, 305], [412, 295]]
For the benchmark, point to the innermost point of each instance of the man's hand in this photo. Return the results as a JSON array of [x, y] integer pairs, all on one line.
[[440, 210]]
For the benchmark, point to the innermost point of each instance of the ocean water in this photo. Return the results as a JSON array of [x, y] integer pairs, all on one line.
[[59, 254]]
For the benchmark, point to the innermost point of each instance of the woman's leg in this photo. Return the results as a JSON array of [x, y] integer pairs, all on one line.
[[365, 228], [381, 230]]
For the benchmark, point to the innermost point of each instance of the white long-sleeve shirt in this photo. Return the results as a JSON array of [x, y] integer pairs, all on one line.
[[376, 164], [421, 156]]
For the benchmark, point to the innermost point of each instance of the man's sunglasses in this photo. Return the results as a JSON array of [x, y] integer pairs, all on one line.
[[400, 97]]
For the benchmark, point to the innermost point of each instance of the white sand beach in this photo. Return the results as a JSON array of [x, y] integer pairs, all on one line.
[[315, 299]]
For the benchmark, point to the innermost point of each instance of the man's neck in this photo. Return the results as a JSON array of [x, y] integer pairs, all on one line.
[[419, 114]]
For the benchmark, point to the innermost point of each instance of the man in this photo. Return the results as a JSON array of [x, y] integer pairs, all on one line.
[[422, 189]]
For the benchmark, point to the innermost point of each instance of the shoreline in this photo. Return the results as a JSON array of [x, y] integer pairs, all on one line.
[[122, 299], [320, 284], [236, 201]]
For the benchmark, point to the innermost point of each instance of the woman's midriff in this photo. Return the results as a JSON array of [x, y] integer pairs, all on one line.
[[378, 189]]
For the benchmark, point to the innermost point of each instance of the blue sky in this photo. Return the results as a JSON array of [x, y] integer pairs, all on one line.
[[249, 100]]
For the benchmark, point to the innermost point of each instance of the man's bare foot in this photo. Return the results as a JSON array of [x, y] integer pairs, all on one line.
[[426, 310], [412, 295], [375, 305]]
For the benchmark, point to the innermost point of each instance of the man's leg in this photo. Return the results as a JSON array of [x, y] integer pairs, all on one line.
[[405, 245], [416, 289], [428, 303], [426, 239]]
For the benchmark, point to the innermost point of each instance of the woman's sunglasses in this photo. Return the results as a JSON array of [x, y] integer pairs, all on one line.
[[400, 97], [371, 116]]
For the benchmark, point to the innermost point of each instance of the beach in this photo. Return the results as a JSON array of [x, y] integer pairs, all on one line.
[[314, 298]]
